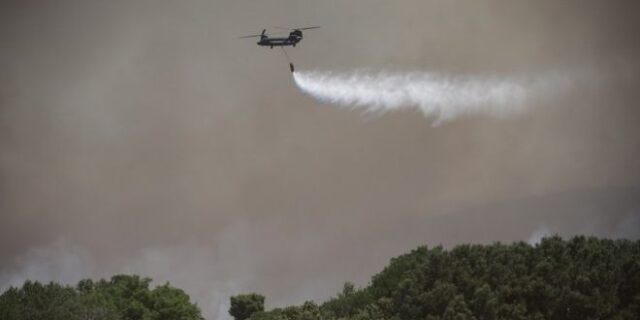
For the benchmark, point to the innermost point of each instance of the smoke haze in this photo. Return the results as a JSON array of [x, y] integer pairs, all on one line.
[[145, 137]]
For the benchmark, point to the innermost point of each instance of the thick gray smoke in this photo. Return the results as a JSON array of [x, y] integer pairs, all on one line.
[[144, 137], [443, 97]]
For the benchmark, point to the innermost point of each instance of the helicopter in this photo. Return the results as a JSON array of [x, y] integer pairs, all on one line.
[[294, 37]]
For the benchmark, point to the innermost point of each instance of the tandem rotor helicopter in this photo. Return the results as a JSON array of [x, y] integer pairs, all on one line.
[[294, 37]]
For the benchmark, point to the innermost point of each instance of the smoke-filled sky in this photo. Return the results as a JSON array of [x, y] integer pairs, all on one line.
[[144, 136]]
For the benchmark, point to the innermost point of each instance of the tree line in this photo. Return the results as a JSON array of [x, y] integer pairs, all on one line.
[[123, 297], [580, 278]]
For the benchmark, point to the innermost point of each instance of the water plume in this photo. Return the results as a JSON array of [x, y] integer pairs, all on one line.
[[438, 96]]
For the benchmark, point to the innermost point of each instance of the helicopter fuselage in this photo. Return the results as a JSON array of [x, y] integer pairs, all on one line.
[[278, 42], [293, 39]]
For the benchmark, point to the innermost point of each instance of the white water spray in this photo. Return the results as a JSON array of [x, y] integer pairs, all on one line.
[[436, 95]]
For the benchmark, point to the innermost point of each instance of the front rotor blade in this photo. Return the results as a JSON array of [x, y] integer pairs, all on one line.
[[251, 36], [305, 28]]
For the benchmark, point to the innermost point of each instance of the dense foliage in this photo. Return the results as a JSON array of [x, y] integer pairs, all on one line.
[[582, 278], [124, 297], [244, 305]]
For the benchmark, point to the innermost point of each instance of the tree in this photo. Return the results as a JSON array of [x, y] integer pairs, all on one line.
[[244, 305], [124, 297], [457, 310], [172, 304], [348, 303]]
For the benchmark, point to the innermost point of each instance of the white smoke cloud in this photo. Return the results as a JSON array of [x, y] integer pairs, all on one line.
[[58, 261], [208, 278], [439, 96], [537, 235], [207, 275], [629, 226], [210, 273]]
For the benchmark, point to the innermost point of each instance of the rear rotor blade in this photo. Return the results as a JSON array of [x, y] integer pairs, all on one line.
[[251, 36]]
